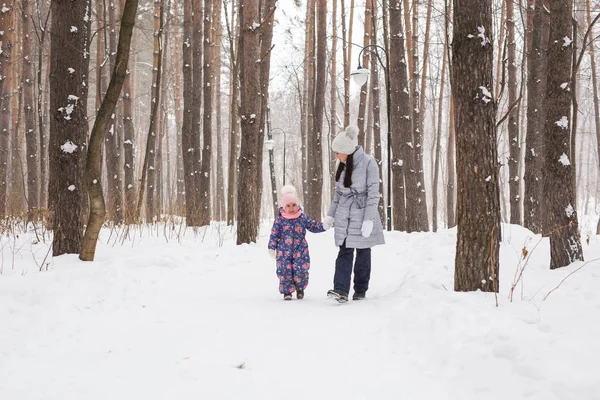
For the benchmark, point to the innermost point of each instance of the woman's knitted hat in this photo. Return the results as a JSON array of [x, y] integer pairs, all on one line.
[[346, 141], [288, 195]]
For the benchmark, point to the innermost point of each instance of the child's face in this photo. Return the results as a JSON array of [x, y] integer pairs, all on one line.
[[341, 157], [291, 208]]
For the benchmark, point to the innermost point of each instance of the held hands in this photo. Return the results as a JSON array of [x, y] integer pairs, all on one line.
[[328, 222], [272, 253], [367, 227]]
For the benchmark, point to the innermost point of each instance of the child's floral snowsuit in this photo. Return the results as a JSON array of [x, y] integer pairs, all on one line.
[[288, 239]]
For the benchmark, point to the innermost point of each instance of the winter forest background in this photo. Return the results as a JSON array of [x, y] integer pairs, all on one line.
[[127, 112]]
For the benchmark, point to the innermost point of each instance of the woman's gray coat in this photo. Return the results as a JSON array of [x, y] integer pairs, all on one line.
[[351, 206]]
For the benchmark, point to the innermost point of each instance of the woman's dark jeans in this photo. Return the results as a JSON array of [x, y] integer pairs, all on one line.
[[343, 270]]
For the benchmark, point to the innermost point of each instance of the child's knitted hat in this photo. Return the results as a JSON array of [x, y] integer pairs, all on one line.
[[346, 141], [288, 195]]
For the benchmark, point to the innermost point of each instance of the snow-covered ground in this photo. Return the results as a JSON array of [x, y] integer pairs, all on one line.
[[158, 316]]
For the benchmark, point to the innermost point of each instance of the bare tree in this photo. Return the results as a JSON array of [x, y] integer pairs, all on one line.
[[69, 62], [148, 173], [536, 108], [513, 118], [401, 121], [561, 215], [27, 80], [250, 110], [6, 27], [315, 163], [93, 168], [478, 208]]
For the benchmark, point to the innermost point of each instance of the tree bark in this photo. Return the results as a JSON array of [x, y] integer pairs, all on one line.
[[536, 92], [93, 168], [513, 120], [31, 136], [561, 215], [249, 52], [6, 26], [69, 62], [204, 212], [401, 121], [478, 208]]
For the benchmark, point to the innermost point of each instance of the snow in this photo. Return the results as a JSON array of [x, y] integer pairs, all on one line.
[[68, 147], [163, 314], [564, 159], [563, 122]]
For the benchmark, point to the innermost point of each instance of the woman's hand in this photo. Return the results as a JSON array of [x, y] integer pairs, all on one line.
[[328, 222], [367, 227]]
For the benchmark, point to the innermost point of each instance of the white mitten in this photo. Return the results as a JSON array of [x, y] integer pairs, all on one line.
[[328, 222], [367, 227], [272, 253]]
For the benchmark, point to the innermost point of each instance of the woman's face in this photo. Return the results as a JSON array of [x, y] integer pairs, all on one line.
[[341, 157], [291, 208]]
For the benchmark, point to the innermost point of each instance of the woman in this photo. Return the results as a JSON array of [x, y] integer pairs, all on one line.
[[354, 215]]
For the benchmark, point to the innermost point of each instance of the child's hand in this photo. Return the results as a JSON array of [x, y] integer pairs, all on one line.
[[272, 253], [367, 227], [328, 222]]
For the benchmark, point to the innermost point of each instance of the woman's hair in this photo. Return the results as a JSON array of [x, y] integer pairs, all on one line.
[[349, 164]]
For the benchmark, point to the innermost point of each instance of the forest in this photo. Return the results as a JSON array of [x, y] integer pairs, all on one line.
[[117, 113]]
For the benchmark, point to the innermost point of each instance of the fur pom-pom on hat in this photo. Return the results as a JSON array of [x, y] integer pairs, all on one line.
[[288, 195], [346, 141]]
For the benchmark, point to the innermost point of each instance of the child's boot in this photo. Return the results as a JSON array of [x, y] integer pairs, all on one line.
[[300, 294], [287, 296]]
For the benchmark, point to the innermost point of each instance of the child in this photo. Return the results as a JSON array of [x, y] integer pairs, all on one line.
[[288, 244]]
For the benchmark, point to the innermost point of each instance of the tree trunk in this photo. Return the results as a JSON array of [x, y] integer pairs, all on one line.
[[375, 104], [315, 172], [6, 26], [249, 52], [561, 215], [93, 168], [27, 79], [197, 85], [205, 206], [438, 141], [309, 101], [401, 122], [362, 105], [129, 144], [234, 88], [188, 129], [266, 40], [217, 33], [148, 173], [113, 140], [69, 62], [333, 122], [43, 139], [536, 84], [478, 208], [513, 120]]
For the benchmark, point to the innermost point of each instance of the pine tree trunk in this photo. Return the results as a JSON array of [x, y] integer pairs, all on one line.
[[31, 136], [401, 122], [366, 55], [217, 33], [315, 182], [376, 109], [536, 105], [114, 138], [129, 144], [69, 62], [204, 212], [561, 215], [188, 129], [93, 168], [249, 52], [6, 26], [148, 173], [513, 120], [438, 141], [478, 208]]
